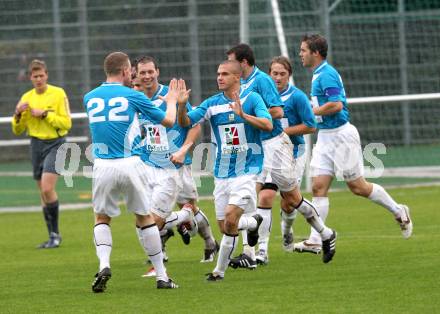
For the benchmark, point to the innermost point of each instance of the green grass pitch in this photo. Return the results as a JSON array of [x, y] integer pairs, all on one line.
[[374, 270]]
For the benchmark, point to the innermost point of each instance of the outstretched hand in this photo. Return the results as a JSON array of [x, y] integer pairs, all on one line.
[[171, 96], [183, 94], [236, 105]]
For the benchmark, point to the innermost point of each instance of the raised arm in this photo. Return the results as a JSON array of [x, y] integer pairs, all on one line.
[[171, 100], [261, 123], [183, 96]]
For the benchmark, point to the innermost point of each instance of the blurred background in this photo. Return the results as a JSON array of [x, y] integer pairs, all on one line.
[[380, 48]]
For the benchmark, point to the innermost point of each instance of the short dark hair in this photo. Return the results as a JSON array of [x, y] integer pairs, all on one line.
[[242, 52], [145, 60], [284, 61], [316, 43], [115, 62]]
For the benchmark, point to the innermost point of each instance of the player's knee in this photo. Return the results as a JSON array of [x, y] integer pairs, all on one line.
[[285, 207], [358, 189], [231, 223]]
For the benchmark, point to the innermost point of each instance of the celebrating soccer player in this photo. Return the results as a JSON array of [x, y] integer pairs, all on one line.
[[236, 118], [338, 148], [113, 109], [279, 168]]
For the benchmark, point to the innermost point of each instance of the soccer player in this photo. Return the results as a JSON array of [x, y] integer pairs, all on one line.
[[298, 120], [236, 118], [279, 168], [43, 112], [113, 109], [338, 149], [167, 151]]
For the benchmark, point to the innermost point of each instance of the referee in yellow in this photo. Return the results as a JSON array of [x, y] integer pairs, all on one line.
[[43, 112]]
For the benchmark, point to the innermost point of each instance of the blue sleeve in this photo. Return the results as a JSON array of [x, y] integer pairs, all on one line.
[[331, 86], [269, 92], [147, 109], [260, 108], [305, 111], [198, 113]]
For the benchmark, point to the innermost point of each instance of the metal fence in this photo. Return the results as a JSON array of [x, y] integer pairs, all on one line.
[[380, 48]]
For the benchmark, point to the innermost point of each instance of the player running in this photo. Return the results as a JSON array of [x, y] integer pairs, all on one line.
[[338, 149]]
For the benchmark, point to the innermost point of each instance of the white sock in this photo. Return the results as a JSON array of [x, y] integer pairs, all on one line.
[[322, 206], [204, 229], [153, 247], [265, 228], [312, 217], [381, 197], [176, 218], [103, 242], [287, 221], [247, 223], [227, 247]]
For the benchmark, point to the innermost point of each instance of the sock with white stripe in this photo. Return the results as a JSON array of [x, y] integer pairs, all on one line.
[[265, 228], [227, 247], [102, 237], [204, 229], [322, 206], [287, 221], [309, 212], [176, 218], [153, 248]]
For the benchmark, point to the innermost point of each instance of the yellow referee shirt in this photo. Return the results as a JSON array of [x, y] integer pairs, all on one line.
[[57, 122]]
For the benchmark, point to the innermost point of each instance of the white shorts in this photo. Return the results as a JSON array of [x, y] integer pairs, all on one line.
[[279, 164], [161, 186], [239, 191], [300, 166], [338, 152], [115, 177], [188, 190]]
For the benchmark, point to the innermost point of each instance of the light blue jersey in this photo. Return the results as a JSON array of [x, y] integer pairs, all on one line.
[[327, 86], [261, 83], [113, 117], [161, 142], [238, 144], [297, 110]]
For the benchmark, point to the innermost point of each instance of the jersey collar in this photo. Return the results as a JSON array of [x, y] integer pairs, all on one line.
[[112, 84], [323, 64], [251, 76]]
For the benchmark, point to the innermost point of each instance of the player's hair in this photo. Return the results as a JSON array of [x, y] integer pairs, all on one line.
[[316, 43], [145, 60], [284, 61], [236, 68], [36, 65], [242, 52], [115, 63]]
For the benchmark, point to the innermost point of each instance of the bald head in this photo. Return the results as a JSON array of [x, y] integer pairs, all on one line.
[[233, 66]]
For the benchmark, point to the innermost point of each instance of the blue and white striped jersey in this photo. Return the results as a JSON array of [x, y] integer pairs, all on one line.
[[160, 142], [238, 144], [113, 118]]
